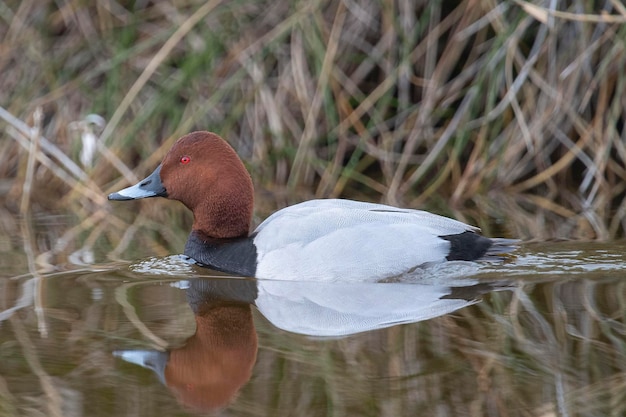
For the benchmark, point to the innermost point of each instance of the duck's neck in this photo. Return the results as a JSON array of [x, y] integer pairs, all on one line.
[[219, 221], [227, 213]]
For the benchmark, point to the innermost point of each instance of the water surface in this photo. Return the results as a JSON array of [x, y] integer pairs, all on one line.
[[542, 334]]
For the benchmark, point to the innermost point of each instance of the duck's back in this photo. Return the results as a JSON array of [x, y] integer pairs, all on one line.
[[349, 240]]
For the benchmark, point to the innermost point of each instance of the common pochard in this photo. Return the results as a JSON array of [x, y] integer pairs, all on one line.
[[326, 239]]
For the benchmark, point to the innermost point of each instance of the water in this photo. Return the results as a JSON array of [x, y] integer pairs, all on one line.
[[543, 334]]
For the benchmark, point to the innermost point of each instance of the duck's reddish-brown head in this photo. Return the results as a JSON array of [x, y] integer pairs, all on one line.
[[203, 172]]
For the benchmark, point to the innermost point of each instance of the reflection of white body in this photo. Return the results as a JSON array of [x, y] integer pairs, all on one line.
[[337, 309], [334, 308]]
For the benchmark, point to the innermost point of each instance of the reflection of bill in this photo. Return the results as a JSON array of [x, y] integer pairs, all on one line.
[[207, 372]]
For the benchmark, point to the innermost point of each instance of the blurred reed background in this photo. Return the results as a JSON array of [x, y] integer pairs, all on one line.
[[480, 110], [476, 109]]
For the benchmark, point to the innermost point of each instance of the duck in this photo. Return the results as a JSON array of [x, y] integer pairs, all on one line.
[[320, 240]]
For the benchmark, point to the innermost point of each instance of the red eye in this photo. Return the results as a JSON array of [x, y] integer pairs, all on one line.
[[185, 160]]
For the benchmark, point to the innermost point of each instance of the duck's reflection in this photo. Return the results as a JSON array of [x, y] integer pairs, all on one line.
[[214, 363]]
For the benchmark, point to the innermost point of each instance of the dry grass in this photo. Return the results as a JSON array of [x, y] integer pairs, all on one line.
[[507, 110]]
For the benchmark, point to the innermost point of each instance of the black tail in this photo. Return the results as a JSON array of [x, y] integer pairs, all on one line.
[[469, 246]]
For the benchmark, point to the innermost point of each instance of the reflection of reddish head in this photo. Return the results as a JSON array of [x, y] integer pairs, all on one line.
[[207, 372]]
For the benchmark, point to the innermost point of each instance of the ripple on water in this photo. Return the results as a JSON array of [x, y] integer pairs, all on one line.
[[582, 259]]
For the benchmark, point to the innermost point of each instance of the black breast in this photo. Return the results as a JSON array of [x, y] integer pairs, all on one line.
[[236, 256]]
